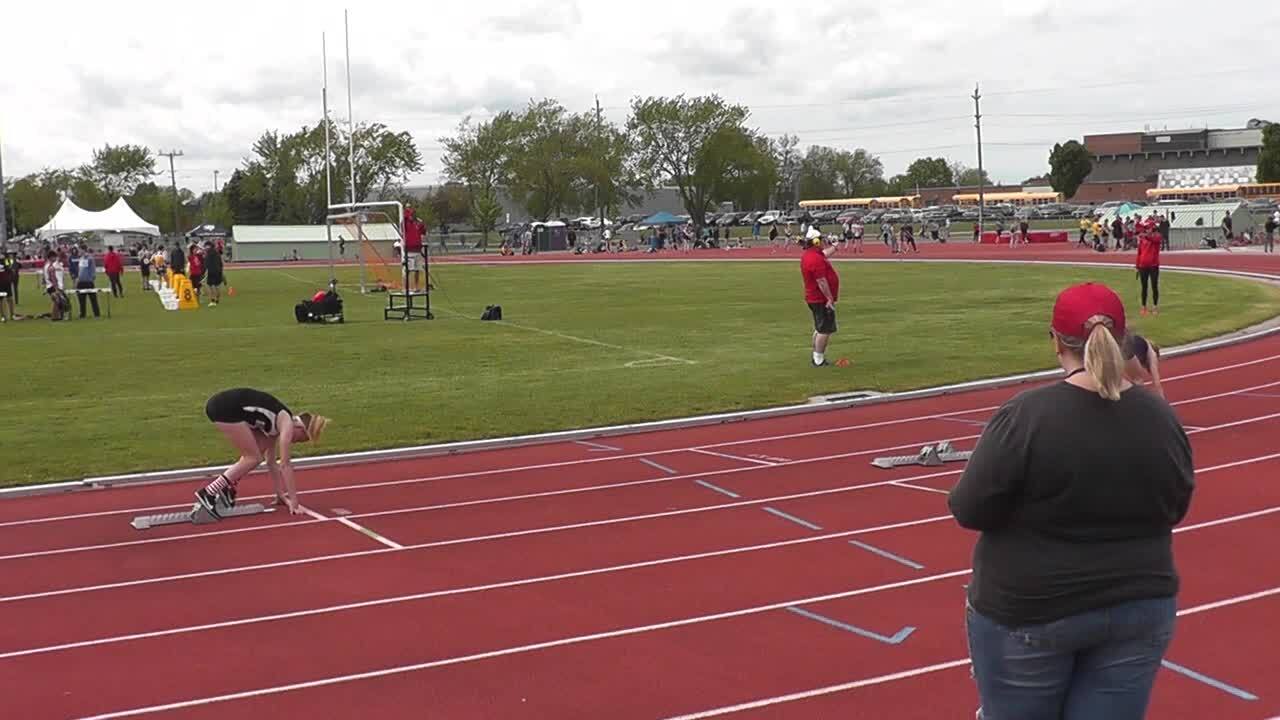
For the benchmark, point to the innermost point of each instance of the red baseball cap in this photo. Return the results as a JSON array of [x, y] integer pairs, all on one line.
[[1078, 303]]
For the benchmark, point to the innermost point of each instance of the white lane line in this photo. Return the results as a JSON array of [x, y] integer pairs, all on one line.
[[399, 599], [909, 486], [469, 503], [523, 648], [739, 458], [915, 672], [521, 533], [575, 640], [659, 466], [596, 446], [582, 461], [562, 576], [376, 537]]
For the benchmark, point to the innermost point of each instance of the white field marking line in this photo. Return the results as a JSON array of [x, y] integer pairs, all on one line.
[[636, 630], [909, 486], [510, 498], [585, 573], [295, 278], [596, 446], [521, 582], [376, 537], [570, 491], [589, 341], [583, 461], [754, 461], [928, 669]]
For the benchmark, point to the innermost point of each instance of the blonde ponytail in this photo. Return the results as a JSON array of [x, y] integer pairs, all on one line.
[[1103, 359]]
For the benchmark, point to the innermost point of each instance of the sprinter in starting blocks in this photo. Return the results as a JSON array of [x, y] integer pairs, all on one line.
[[197, 515], [929, 456]]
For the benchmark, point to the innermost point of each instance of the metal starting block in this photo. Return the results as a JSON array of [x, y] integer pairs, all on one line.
[[197, 515], [929, 456]]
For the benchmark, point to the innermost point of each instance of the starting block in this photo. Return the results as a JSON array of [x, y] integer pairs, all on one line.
[[197, 515], [929, 456]]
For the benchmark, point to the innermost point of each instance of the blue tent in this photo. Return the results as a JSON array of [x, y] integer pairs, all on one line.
[[662, 218]]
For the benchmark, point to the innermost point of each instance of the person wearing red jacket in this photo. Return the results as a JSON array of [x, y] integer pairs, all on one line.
[[414, 230], [1149, 241], [113, 265]]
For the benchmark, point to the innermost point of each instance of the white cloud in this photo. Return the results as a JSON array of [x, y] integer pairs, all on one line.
[[892, 78]]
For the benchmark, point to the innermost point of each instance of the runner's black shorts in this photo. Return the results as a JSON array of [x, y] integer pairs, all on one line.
[[824, 318]]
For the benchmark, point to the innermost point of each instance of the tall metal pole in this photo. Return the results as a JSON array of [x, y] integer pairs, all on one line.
[[173, 180], [351, 120], [328, 157], [600, 157], [977, 120], [4, 218], [215, 182]]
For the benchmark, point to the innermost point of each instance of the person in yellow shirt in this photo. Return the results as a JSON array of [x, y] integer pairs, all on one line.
[[1085, 226]]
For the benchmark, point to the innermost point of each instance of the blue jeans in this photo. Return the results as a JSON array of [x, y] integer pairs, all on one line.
[[1098, 665]]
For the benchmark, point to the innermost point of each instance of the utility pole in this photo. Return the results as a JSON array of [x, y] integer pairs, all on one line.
[[977, 123], [600, 158], [215, 182], [173, 180]]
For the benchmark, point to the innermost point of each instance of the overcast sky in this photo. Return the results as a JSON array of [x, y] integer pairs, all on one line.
[[208, 78]]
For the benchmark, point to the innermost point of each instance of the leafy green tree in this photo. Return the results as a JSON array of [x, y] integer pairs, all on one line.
[[1269, 158], [700, 145], [119, 169], [545, 167], [858, 171], [789, 164], [820, 173], [485, 213], [480, 154], [928, 172], [1069, 164]]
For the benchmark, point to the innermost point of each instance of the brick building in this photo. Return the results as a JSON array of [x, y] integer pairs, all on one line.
[[1126, 165]]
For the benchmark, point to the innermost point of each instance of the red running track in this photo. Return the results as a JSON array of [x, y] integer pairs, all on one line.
[[758, 569]]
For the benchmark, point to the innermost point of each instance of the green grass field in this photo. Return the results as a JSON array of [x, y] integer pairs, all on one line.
[[581, 345]]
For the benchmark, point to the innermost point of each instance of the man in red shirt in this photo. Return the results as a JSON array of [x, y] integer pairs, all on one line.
[[821, 291], [414, 229], [113, 265]]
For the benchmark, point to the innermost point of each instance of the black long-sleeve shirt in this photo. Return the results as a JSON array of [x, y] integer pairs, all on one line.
[[1076, 498]]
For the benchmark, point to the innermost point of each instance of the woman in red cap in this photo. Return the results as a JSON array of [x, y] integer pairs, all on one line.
[[1149, 242], [1075, 488]]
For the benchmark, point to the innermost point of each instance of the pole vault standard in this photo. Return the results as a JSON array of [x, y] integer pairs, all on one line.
[[328, 157], [355, 210]]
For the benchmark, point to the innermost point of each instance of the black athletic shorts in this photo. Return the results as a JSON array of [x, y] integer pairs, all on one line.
[[214, 279], [1136, 346], [246, 405], [824, 318]]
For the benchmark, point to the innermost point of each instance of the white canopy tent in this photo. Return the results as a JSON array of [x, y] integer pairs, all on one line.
[[119, 218]]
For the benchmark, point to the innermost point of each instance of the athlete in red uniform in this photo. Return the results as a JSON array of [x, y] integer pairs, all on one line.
[[1149, 242], [821, 291]]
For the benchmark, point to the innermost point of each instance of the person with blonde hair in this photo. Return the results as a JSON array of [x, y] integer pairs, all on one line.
[[261, 427], [1075, 489]]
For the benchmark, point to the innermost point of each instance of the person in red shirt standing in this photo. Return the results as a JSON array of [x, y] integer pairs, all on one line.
[[821, 291], [1149, 241], [414, 229], [113, 265]]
